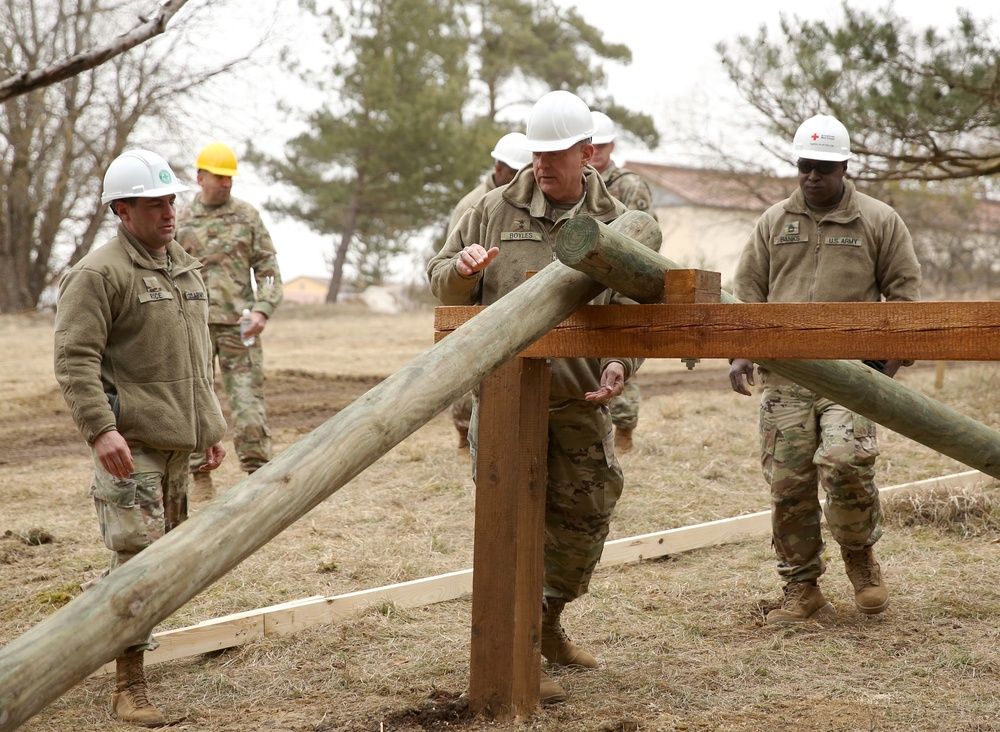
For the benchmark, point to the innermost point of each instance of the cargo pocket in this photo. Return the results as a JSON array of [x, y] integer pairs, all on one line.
[[768, 441], [865, 442], [116, 491]]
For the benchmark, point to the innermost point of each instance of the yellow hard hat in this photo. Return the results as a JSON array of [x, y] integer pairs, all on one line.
[[218, 158]]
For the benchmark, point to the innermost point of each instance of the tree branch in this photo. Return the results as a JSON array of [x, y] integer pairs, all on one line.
[[30, 80]]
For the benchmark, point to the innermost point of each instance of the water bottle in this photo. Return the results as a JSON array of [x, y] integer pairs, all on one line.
[[245, 323]]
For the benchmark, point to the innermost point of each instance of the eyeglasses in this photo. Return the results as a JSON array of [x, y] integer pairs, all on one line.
[[823, 167]]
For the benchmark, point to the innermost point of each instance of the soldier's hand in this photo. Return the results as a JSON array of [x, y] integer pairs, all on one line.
[[213, 457], [257, 322], [474, 258], [612, 383], [114, 454], [741, 367]]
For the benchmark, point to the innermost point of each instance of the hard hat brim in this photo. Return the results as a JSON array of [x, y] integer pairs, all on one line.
[[554, 145], [227, 172], [824, 156], [152, 193]]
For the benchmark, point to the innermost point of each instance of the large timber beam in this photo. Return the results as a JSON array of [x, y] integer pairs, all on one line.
[[603, 253], [40, 665]]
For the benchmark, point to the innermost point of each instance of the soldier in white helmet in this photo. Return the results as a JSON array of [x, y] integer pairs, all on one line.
[[508, 232], [509, 157], [826, 243], [133, 359], [629, 188]]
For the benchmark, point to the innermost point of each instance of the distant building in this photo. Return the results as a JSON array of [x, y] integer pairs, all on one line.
[[306, 290], [707, 215]]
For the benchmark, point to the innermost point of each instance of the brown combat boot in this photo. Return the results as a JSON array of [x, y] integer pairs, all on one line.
[[201, 489], [803, 601], [130, 702], [623, 440], [870, 594], [549, 691], [556, 647]]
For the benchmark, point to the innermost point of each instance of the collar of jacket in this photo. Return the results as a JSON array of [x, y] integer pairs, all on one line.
[[181, 261], [597, 202], [848, 210]]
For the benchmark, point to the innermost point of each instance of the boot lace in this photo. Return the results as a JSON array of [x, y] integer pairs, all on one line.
[[861, 569], [793, 595], [137, 690]]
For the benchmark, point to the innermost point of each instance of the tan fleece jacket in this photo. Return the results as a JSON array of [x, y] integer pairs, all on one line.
[[132, 349]]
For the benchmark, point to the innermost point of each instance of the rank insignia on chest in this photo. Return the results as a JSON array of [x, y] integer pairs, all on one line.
[[792, 228], [152, 284], [521, 224]]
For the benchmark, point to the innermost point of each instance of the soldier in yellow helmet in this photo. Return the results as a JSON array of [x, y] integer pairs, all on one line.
[[240, 269]]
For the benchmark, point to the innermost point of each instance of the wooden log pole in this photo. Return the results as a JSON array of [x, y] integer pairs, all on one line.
[[609, 257], [41, 664]]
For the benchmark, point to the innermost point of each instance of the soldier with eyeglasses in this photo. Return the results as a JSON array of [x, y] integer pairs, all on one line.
[[827, 242]]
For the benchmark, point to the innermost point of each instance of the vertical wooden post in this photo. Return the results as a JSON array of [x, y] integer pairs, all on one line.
[[511, 474]]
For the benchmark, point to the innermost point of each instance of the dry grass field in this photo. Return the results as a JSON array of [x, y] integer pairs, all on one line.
[[681, 639]]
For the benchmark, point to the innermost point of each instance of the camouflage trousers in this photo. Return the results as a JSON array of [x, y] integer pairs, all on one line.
[[625, 408], [461, 412], [585, 482], [808, 441], [134, 512], [242, 370]]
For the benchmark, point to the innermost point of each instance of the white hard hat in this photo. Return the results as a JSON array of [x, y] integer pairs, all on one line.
[[822, 138], [605, 132], [510, 150], [139, 173], [558, 121]]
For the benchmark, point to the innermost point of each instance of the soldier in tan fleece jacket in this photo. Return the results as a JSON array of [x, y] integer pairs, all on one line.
[[132, 357]]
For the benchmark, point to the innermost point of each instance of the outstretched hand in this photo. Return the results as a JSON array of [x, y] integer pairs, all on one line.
[[612, 383], [474, 258]]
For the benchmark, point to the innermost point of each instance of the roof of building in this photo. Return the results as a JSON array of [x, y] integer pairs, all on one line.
[[681, 186]]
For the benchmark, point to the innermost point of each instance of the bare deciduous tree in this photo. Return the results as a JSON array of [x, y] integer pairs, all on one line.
[[60, 137]]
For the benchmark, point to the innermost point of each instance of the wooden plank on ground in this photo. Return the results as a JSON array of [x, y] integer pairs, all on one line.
[[290, 617], [926, 331], [674, 541]]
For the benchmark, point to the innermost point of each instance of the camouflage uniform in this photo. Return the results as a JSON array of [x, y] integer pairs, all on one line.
[[584, 477], [234, 246], [859, 252], [629, 188]]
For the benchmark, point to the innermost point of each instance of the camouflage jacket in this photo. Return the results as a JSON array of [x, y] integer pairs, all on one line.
[[233, 246], [629, 188], [519, 220]]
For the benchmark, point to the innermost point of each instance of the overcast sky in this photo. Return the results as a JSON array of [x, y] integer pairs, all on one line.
[[674, 66]]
